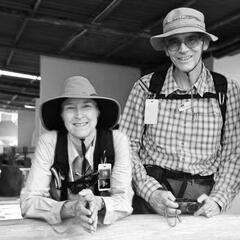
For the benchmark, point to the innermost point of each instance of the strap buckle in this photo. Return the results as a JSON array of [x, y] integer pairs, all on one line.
[[221, 98]]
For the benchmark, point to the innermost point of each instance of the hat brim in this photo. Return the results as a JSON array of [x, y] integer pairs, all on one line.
[[158, 43], [50, 112]]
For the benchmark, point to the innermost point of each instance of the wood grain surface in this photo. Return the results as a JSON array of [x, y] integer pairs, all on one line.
[[140, 227]]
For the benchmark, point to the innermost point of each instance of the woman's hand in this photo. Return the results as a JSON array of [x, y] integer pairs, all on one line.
[[85, 210]]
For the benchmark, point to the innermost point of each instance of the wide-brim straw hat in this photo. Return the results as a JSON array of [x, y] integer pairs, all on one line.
[[181, 20], [79, 87]]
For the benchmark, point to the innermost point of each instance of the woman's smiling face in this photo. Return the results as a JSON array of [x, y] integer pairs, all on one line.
[[80, 116]]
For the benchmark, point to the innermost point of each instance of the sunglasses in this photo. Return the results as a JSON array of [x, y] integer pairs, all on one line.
[[84, 182], [174, 44]]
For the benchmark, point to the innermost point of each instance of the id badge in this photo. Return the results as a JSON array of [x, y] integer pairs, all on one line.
[[151, 111], [184, 106], [104, 179]]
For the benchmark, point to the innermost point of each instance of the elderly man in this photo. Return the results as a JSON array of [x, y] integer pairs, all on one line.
[[184, 126]]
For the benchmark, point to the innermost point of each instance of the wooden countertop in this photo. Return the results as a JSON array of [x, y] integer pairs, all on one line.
[[141, 227]]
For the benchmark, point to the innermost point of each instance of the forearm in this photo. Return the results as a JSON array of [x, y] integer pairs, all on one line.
[[144, 185], [41, 207], [117, 206]]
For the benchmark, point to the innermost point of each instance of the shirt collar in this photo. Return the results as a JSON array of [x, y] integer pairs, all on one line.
[[202, 85], [73, 153]]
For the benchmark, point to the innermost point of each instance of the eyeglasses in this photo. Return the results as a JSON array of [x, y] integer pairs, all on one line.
[[174, 44]]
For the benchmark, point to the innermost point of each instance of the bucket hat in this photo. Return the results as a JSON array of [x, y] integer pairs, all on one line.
[[78, 87], [181, 20]]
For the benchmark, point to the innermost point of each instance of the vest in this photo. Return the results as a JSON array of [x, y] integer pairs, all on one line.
[[60, 168]]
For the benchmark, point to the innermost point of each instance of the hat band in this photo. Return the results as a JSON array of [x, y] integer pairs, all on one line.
[[184, 21]]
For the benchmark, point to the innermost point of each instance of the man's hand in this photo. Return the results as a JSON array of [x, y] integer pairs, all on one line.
[[163, 203], [209, 208]]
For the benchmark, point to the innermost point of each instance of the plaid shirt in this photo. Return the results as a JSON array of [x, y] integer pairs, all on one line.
[[188, 140]]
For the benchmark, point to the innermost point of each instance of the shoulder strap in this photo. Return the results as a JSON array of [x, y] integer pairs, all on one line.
[[61, 161], [157, 81], [220, 84], [104, 150]]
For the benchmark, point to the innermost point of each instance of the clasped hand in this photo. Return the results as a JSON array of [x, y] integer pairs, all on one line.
[[86, 210]]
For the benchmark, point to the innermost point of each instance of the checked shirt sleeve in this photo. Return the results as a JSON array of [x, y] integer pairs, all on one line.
[[227, 180], [132, 123]]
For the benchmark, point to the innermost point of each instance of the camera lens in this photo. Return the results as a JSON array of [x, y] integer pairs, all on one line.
[[192, 208]]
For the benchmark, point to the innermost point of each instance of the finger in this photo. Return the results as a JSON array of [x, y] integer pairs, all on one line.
[[89, 198], [86, 219], [202, 198], [82, 210], [200, 212], [171, 204], [171, 196], [88, 227], [92, 206], [172, 212], [95, 220], [85, 192]]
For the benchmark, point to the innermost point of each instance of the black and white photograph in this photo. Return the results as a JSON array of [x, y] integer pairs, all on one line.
[[120, 119]]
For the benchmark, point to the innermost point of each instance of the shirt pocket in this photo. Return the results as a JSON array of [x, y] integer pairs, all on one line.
[[165, 130]]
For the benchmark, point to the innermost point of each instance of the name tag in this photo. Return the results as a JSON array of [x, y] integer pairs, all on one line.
[[184, 106], [151, 111], [104, 177]]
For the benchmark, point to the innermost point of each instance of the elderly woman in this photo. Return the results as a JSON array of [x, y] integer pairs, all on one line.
[[81, 168]]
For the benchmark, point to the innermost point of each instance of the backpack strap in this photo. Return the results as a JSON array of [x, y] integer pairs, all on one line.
[[220, 84], [157, 81]]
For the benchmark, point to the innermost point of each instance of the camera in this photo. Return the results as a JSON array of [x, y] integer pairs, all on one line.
[[188, 206]]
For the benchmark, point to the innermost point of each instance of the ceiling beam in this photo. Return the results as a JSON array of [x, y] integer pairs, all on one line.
[[225, 44], [225, 21], [21, 94], [18, 86], [71, 56], [90, 27], [114, 4], [14, 107], [98, 18], [20, 32], [18, 102]]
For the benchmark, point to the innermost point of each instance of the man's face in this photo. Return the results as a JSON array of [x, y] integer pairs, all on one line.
[[185, 50], [80, 116]]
